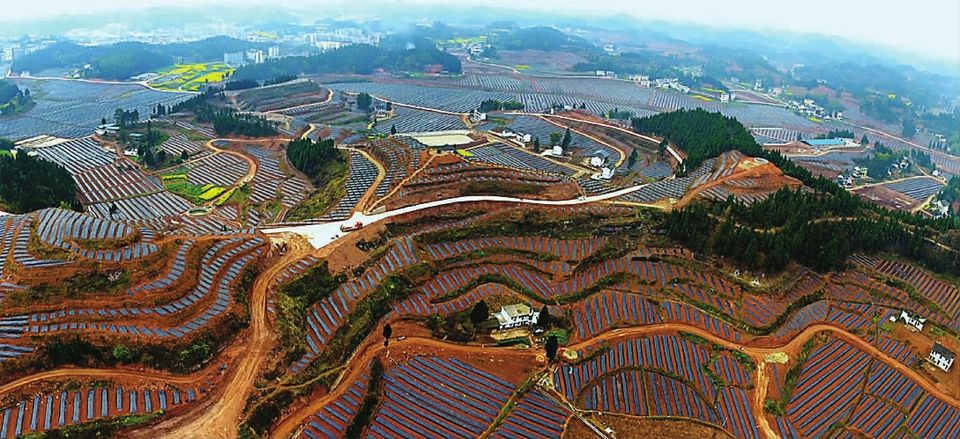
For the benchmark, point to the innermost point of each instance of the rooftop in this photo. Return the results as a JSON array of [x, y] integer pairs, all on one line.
[[943, 352], [518, 309], [825, 142]]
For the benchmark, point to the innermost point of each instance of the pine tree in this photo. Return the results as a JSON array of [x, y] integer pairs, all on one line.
[[545, 320], [565, 143], [552, 346], [479, 313]]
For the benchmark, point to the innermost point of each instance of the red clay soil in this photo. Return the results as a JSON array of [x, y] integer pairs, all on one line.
[[348, 255], [921, 343], [635, 427], [888, 198], [563, 190], [769, 178], [790, 148]]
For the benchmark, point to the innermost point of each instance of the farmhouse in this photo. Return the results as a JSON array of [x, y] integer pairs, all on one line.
[[512, 316], [555, 151], [599, 158], [913, 320], [941, 357], [604, 174], [107, 129]]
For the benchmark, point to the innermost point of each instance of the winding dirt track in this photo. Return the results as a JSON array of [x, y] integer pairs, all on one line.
[[100, 373], [794, 343], [219, 415]]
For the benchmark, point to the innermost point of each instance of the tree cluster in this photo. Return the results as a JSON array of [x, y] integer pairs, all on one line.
[[619, 114], [315, 285], [28, 184], [838, 133], [364, 101], [228, 122], [313, 158], [495, 105], [124, 118], [13, 99], [951, 192]]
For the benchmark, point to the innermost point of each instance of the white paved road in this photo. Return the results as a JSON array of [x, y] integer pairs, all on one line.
[[323, 234]]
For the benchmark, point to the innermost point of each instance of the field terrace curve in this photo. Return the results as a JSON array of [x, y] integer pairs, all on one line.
[[670, 295]]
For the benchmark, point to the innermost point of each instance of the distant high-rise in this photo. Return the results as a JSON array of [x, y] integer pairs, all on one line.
[[233, 58], [273, 52], [255, 56]]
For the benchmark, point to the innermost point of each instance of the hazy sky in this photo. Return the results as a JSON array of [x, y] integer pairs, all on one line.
[[927, 27]]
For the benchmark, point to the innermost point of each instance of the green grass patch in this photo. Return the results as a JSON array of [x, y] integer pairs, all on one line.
[[370, 402], [196, 194], [562, 335], [324, 198], [211, 192], [99, 428]]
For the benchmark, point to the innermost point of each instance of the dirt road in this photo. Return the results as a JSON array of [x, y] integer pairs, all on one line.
[[219, 417], [758, 353]]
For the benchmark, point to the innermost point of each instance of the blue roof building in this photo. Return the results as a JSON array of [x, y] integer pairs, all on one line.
[[821, 143]]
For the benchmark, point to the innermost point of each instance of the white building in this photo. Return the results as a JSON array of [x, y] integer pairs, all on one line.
[[727, 97], [600, 158], [941, 357], [604, 174], [328, 45], [913, 320], [478, 116], [255, 56], [233, 58], [512, 316], [7, 54], [554, 151], [273, 52]]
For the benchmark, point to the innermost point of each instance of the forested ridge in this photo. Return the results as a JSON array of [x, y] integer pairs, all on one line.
[[126, 59], [28, 184], [356, 59], [819, 228]]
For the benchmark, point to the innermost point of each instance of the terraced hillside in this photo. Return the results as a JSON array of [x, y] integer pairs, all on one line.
[[488, 287]]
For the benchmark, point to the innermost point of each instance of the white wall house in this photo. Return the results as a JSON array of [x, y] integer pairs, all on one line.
[[913, 320], [516, 315], [941, 357]]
